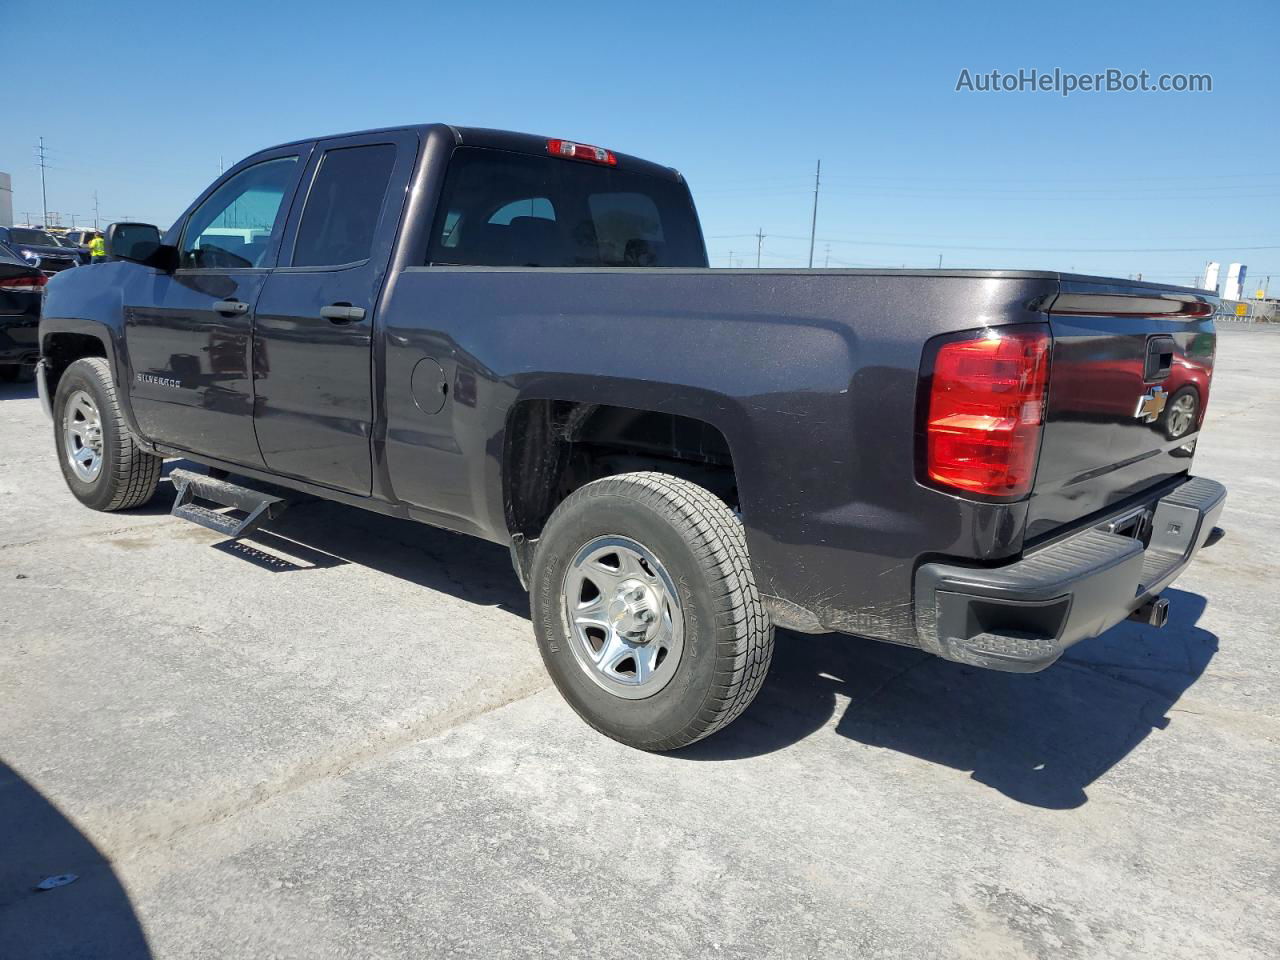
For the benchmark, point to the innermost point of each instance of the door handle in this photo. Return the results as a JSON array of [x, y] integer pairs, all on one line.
[[342, 313], [231, 306]]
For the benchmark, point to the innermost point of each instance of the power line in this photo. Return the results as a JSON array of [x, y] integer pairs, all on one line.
[[961, 246], [795, 181]]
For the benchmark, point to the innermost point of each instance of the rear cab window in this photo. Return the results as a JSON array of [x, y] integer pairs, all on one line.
[[505, 209]]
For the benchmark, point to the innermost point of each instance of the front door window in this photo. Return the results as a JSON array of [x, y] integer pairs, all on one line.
[[236, 225]]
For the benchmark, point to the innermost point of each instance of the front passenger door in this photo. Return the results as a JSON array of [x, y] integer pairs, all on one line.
[[188, 333]]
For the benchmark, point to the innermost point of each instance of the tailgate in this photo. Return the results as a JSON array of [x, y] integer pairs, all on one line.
[[1126, 358]]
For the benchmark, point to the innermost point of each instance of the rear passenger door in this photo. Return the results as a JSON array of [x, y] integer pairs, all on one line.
[[313, 334]]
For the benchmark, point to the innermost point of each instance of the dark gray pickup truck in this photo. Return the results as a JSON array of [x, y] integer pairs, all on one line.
[[518, 338]]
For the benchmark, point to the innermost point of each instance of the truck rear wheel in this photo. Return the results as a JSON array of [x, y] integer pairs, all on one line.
[[102, 463], [646, 610]]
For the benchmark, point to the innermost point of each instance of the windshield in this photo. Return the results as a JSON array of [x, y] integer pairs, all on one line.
[[38, 237]]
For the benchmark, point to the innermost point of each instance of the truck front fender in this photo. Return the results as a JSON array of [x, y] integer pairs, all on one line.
[[83, 316]]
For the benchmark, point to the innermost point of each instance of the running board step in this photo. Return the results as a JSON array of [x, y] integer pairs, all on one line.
[[256, 506]]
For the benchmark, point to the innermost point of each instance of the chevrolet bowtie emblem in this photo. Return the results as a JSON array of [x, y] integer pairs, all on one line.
[[1151, 404]]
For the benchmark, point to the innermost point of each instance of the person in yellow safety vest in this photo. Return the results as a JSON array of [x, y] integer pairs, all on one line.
[[97, 248]]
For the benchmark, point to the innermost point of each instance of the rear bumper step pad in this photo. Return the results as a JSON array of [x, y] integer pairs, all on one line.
[[1022, 616]]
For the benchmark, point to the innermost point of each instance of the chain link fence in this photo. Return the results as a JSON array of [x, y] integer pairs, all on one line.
[[1248, 311]]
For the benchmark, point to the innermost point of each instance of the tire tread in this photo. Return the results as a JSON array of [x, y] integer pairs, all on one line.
[[718, 542]]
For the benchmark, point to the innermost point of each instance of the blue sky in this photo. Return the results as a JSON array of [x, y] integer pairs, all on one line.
[[742, 97]]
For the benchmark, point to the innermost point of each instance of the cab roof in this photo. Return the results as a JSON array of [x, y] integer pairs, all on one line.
[[529, 143]]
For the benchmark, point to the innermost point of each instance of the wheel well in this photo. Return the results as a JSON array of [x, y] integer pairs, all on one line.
[[553, 447], [60, 350]]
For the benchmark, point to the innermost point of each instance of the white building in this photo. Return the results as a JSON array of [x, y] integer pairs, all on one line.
[[1210, 281], [1233, 289], [6, 201]]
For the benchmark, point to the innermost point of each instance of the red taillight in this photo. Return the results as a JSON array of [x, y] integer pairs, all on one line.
[[23, 284], [581, 151], [986, 407]]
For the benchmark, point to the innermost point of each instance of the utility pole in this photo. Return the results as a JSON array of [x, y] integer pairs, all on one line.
[[44, 196], [939, 261], [95, 210], [759, 245], [813, 227], [826, 261], [731, 258]]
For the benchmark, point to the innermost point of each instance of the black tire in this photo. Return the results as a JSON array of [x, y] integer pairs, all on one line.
[[1176, 434], [129, 475], [727, 636]]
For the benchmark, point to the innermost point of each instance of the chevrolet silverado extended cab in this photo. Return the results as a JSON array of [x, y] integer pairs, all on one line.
[[518, 338]]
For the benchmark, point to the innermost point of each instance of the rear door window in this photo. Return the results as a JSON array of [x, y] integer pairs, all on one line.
[[344, 206], [506, 209]]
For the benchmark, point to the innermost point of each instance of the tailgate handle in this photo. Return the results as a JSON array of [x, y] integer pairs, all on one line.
[[1159, 358]]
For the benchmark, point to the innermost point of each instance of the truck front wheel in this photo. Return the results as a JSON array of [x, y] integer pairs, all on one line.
[[646, 610], [102, 463]]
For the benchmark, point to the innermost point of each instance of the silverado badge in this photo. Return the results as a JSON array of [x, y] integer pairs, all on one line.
[[1151, 404]]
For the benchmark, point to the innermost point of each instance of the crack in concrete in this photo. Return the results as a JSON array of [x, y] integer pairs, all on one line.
[[136, 838]]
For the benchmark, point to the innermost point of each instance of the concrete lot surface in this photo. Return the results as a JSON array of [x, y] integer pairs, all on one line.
[[356, 754]]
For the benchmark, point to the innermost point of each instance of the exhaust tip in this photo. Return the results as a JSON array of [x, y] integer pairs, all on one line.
[[1155, 612], [1159, 613]]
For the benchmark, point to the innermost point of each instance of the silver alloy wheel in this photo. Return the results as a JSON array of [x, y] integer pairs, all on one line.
[[82, 436], [625, 619], [1182, 414]]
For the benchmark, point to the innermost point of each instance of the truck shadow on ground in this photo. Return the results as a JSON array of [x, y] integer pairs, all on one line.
[[316, 533], [89, 917], [1040, 739], [17, 391]]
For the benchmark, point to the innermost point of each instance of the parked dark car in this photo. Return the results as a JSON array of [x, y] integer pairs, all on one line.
[[41, 249], [518, 338], [21, 290]]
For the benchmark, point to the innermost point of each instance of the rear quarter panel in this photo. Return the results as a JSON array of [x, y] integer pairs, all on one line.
[[811, 377]]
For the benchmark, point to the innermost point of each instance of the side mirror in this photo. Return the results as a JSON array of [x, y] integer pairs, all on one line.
[[139, 243]]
